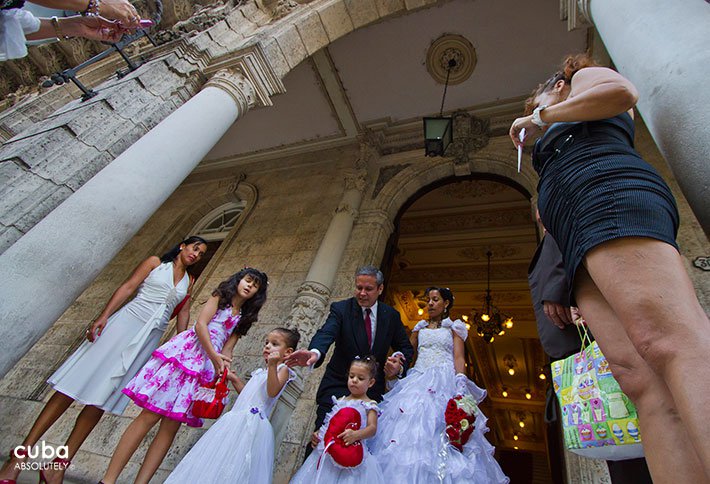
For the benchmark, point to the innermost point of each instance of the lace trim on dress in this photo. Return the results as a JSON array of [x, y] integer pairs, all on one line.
[[372, 406]]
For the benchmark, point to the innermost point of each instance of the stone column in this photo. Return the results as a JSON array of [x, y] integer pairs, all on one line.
[[308, 312], [49, 267], [662, 48], [313, 295]]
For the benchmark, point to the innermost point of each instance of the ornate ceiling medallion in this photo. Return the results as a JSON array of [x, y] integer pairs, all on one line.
[[446, 48]]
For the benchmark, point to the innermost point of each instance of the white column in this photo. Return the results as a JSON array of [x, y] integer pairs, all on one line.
[[308, 312], [662, 47], [49, 267], [314, 293], [327, 259]]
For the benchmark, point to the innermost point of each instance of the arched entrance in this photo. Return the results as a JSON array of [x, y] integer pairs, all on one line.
[[441, 237]]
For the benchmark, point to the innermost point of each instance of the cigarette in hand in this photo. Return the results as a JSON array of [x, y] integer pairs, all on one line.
[[521, 137]]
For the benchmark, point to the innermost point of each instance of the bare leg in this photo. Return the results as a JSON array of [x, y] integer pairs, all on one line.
[[130, 440], [645, 283], [671, 457], [157, 450], [56, 406], [85, 423]]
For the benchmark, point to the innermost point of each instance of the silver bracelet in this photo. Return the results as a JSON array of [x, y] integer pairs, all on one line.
[[536, 119]]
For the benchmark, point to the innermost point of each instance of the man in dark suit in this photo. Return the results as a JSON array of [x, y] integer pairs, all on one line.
[[550, 297], [358, 326], [559, 338]]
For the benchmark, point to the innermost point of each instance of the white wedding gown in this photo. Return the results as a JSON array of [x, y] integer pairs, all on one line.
[[411, 445]]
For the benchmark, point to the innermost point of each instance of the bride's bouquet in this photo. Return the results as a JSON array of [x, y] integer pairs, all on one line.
[[460, 418]]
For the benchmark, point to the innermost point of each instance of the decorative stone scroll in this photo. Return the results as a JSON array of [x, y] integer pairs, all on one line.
[[309, 308], [470, 135]]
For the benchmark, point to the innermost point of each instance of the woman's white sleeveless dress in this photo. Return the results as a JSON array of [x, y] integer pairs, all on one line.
[[96, 372]]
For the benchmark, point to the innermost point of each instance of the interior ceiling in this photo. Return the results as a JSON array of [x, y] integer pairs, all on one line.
[[378, 73], [377, 76]]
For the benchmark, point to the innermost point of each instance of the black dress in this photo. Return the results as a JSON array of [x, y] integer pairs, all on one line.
[[10, 4], [594, 187]]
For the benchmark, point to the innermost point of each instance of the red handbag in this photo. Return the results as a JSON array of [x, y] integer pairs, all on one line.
[[210, 399]]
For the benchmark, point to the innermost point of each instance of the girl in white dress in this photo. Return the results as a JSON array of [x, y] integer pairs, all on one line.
[[411, 445], [118, 343], [239, 447], [320, 468]]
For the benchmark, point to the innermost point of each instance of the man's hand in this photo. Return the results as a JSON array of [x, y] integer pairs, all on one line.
[[393, 366], [558, 314], [577, 316], [301, 358]]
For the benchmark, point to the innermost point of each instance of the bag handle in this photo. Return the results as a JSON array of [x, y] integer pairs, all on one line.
[[583, 335], [221, 388]]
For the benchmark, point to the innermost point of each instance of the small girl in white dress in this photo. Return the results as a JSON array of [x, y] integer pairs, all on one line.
[[320, 467], [239, 447]]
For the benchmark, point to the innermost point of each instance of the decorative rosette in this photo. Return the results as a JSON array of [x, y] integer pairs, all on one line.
[[460, 416]]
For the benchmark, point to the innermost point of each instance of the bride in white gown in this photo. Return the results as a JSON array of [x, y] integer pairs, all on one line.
[[411, 445]]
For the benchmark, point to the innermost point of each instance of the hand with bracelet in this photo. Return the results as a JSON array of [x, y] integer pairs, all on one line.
[[119, 10], [92, 28]]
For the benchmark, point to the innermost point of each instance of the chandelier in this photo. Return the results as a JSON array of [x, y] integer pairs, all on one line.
[[490, 322]]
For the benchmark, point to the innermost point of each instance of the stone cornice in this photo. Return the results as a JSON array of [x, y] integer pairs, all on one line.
[[255, 66]]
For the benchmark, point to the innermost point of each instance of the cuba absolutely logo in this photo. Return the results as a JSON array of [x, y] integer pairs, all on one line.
[[42, 451]]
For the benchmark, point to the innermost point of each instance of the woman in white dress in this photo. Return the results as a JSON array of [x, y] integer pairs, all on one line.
[[119, 342], [411, 444]]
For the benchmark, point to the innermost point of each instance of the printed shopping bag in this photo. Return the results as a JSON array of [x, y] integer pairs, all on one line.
[[598, 419]]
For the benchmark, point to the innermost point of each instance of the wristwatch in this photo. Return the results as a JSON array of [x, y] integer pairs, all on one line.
[[536, 120]]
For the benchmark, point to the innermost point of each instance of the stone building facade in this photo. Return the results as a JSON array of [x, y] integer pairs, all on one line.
[[89, 189]]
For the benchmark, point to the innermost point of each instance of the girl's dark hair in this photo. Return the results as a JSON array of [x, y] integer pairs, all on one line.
[[446, 294], [250, 308], [170, 255], [292, 336], [369, 361], [570, 65]]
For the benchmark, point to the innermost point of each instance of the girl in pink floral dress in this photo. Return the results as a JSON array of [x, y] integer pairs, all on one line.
[[166, 385]]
